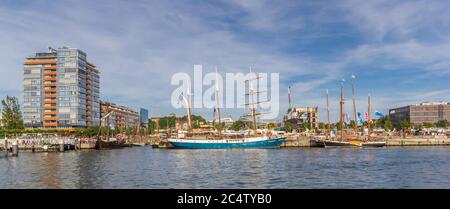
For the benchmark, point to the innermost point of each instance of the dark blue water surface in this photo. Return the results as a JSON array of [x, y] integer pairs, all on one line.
[[144, 167]]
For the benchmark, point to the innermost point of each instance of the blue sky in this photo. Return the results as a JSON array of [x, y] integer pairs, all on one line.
[[399, 50]]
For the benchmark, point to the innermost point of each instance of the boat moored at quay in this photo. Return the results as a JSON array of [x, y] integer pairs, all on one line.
[[248, 143], [222, 141], [345, 140]]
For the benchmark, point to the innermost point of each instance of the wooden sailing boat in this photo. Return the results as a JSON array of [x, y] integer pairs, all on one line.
[[138, 141], [344, 139], [107, 143], [341, 142], [372, 142]]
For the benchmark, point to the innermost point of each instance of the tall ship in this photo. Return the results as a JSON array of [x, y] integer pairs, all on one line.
[[225, 141], [345, 140]]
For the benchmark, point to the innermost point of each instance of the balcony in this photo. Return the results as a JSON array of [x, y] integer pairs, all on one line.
[[50, 96], [50, 84], [50, 101], [50, 118], [51, 124], [50, 90], [51, 107], [50, 113], [49, 73], [41, 62], [50, 67], [50, 79]]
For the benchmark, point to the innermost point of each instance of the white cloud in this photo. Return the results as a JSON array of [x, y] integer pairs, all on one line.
[[138, 46]]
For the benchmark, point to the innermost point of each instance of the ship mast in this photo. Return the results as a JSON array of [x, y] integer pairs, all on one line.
[[253, 103], [354, 103], [219, 127], [368, 118], [341, 104], [251, 92], [188, 109], [328, 115]]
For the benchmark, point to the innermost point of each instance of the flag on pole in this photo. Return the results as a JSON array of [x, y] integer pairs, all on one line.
[[360, 120], [366, 116], [378, 114], [289, 97], [347, 119]]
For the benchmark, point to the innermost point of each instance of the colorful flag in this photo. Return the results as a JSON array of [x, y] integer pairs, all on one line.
[[366, 116], [347, 119], [378, 114], [360, 120]]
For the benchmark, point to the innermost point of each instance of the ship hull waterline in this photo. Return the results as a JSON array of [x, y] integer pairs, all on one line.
[[227, 144]]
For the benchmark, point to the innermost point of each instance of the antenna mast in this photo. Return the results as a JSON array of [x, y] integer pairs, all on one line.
[[354, 103], [328, 115]]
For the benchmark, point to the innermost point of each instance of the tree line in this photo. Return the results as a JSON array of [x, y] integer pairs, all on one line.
[[12, 122]]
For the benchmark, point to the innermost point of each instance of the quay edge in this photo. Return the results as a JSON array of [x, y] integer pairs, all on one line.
[[305, 141]]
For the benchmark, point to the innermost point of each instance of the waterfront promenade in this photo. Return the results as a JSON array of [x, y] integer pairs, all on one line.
[[54, 143], [48, 144], [438, 140]]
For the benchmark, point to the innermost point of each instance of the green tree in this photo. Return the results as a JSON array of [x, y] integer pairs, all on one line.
[[338, 125], [271, 126], [322, 125], [388, 124], [405, 124], [306, 126], [352, 123], [288, 126], [11, 115], [151, 126], [238, 125], [442, 124], [427, 125]]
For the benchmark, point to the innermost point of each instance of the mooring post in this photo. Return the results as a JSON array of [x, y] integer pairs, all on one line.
[[6, 147], [61, 145], [15, 148], [77, 144]]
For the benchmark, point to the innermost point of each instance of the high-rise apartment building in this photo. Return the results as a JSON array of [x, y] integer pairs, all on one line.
[[61, 90]]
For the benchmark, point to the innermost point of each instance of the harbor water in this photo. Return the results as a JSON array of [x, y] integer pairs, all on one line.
[[144, 167]]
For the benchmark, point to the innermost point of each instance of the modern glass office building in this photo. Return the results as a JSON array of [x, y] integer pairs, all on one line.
[[61, 90]]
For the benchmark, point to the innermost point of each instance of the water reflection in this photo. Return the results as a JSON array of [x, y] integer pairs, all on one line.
[[423, 167]]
